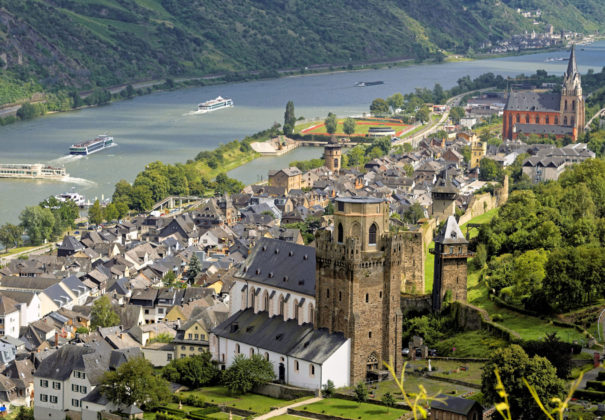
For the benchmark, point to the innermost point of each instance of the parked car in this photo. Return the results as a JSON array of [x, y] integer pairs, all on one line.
[[405, 351], [432, 352]]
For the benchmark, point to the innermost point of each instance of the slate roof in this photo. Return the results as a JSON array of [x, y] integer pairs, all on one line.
[[455, 405], [281, 264], [58, 295], [7, 305], [533, 101], [284, 337], [71, 244], [557, 130], [27, 283], [451, 233], [363, 200], [552, 162], [75, 285], [92, 358]]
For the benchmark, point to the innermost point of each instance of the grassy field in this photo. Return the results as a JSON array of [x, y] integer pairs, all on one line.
[[361, 127], [469, 344], [352, 409], [252, 402], [232, 160], [13, 251]]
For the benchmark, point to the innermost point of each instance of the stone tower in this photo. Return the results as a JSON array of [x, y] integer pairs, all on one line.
[[451, 253], [359, 273], [572, 102], [444, 200], [333, 156]]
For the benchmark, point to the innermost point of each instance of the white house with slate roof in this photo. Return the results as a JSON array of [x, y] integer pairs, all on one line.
[[278, 277], [301, 355], [273, 314]]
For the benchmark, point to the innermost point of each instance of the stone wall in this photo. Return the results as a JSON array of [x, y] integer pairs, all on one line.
[[413, 262], [282, 392], [416, 303]]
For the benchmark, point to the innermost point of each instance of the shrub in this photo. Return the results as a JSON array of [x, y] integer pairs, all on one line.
[[590, 395], [497, 318]]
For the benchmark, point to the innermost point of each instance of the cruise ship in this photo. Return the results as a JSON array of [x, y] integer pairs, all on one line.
[[91, 146], [31, 171], [72, 196], [214, 104]]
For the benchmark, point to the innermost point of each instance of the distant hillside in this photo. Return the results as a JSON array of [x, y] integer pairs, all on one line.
[[88, 43]]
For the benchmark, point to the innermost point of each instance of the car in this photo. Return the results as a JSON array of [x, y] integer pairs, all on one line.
[[432, 352], [405, 351]]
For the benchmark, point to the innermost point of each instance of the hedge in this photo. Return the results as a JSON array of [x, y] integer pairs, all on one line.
[[202, 413], [596, 385], [601, 375], [172, 411], [590, 395]]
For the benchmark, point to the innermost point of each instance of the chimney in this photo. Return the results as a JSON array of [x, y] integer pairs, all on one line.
[[57, 339]]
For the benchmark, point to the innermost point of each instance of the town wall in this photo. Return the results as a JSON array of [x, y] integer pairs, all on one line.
[[413, 262]]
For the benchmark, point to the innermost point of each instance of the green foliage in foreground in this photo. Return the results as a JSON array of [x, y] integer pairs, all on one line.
[[194, 371], [245, 373]]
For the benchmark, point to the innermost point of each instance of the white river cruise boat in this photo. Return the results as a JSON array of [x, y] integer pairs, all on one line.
[[214, 104], [31, 171]]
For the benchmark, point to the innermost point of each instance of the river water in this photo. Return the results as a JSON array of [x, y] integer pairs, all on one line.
[[161, 126]]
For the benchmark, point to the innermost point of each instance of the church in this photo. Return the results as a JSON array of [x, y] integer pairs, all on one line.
[[547, 113]]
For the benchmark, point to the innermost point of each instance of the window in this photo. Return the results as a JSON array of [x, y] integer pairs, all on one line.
[[564, 120], [451, 249], [83, 389], [75, 403], [203, 336], [43, 397], [565, 104], [341, 206], [183, 348], [573, 121], [251, 352], [266, 356], [369, 334], [311, 370], [547, 119], [328, 293], [169, 357], [380, 294], [296, 366], [367, 297], [190, 336], [200, 349], [197, 336], [518, 118], [373, 230], [54, 399], [340, 296], [573, 105], [556, 120], [75, 388], [340, 233], [146, 311], [43, 383], [527, 119], [191, 348], [237, 349], [335, 163]]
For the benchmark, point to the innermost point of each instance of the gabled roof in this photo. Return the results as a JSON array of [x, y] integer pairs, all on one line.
[[281, 264], [455, 405], [451, 233], [71, 244], [7, 305], [533, 101]]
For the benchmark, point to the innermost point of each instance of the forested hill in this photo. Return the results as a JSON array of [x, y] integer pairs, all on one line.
[[88, 43]]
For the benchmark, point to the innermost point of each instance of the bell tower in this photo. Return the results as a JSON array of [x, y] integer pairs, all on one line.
[[572, 101], [359, 273], [333, 157]]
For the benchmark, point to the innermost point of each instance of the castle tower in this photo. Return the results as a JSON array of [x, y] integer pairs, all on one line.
[[572, 102], [333, 157], [359, 273], [444, 200], [451, 253]]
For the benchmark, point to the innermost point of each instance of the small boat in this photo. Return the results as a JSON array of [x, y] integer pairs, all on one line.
[[364, 84]]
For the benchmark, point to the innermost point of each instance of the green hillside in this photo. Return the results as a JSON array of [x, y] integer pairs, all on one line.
[[97, 43]]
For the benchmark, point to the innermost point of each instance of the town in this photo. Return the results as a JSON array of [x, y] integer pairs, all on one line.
[[311, 294]]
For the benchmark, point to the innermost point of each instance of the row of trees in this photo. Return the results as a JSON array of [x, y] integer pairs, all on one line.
[[44, 222]]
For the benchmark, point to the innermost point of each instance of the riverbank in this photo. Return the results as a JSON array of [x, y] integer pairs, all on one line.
[[125, 91]]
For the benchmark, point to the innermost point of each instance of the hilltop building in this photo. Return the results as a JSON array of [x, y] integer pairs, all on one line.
[[547, 113]]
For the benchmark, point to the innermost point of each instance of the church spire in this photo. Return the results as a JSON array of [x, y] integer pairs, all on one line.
[[572, 68]]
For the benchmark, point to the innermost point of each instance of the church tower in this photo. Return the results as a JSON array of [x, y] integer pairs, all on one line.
[[359, 273], [572, 102], [333, 156], [449, 276]]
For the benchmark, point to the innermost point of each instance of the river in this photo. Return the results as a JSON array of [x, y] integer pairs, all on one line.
[[161, 126]]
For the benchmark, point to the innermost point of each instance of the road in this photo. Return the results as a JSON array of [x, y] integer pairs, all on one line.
[[34, 251]]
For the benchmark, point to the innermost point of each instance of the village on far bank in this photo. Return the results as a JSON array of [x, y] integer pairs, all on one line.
[[315, 286]]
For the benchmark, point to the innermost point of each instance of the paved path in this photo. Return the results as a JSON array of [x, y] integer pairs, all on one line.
[[34, 251], [284, 410]]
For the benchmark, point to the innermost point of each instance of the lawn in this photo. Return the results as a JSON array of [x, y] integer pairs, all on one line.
[[13, 251], [352, 409], [361, 127], [468, 344], [252, 402]]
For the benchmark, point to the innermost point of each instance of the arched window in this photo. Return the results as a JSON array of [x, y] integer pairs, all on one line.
[[296, 366], [265, 301], [266, 356], [537, 119], [372, 363], [281, 305], [335, 163], [556, 120], [573, 121], [252, 299], [311, 313], [312, 370], [243, 300], [367, 297], [518, 118], [573, 105], [510, 120], [565, 104], [547, 119], [251, 352], [296, 309], [527, 119], [372, 240], [237, 349], [564, 120], [340, 233]]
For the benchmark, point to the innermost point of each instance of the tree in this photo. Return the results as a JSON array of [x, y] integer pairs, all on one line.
[[514, 364], [383, 143], [357, 156], [111, 212], [331, 123], [135, 382], [27, 111], [388, 400], [169, 277], [224, 184], [194, 371], [408, 169], [438, 93], [122, 192], [102, 314], [348, 126], [95, 213], [396, 101], [414, 213], [25, 413], [379, 107], [121, 209], [194, 269], [244, 374], [361, 392], [82, 330], [10, 235], [289, 119], [423, 115], [490, 170], [457, 113], [328, 389], [38, 224], [142, 198]]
